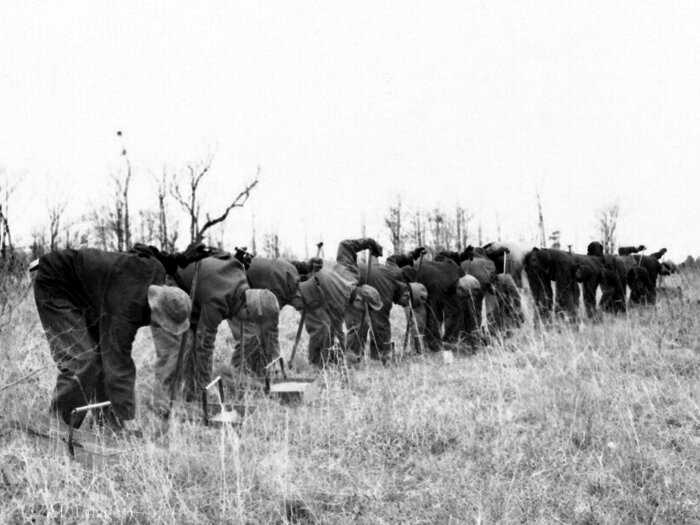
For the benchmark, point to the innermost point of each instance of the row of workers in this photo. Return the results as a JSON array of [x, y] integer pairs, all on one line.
[[91, 304]]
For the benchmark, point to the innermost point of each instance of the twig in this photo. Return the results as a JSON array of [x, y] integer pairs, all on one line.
[[238, 202], [23, 378]]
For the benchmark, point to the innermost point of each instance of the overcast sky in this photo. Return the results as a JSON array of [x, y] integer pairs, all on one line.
[[346, 105]]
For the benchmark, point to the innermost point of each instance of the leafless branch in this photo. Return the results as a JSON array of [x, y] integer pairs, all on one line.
[[238, 202]]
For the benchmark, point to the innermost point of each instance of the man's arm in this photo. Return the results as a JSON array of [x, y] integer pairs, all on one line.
[[304, 268], [348, 249], [445, 254], [659, 254], [402, 260], [629, 250]]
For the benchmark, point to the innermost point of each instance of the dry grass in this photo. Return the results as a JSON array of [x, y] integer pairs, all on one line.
[[600, 425]]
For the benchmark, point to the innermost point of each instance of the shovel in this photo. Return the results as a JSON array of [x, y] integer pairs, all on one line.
[[291, 390], [290, 364]]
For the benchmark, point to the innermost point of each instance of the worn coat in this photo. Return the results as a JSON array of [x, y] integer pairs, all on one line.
[[256, 344], [645, 290], [507, 313], [388, 280], [219, 295], [333, 285], [277, 275], [543, 266], [443, 306], [91, 304]]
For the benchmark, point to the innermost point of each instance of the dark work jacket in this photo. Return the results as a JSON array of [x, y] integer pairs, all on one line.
[[112, 290], [220, 290], [337, 281], [387, 279], [277, 275], [439, 277], [482, 268], [346, 258]]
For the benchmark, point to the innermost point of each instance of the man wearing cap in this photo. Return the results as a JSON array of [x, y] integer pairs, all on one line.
[[440, 279], [91, 304], [416, 314], [504, 308], [470, 295], [329, 293], [257, 343], [221, 292], [307, 268], [388, 280]]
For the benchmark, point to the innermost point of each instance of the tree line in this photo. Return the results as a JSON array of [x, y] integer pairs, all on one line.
[[115, 225], [439, 228]]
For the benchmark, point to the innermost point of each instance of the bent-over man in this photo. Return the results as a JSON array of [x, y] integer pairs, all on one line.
[[389, 282], [91, 304], [329, 293], [221, 292], [257, 344]]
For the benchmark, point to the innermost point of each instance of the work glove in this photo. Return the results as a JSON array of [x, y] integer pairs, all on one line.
[[415, 254], [143, 250], [193, 253], [244, 256], [375, 248], [171, 261], [467, 254], [316, 263]]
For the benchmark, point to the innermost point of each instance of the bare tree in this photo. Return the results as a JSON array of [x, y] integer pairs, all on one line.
[[167, 231], [394, 222], [191, 202], [540, 220], [6, 246], [55, 213], [271, 245], [38, 246], [121, 222], [418, 224], [607, 226], [219, 240], [148, 226], [436, 220], [462, 220], [449, 236], [555, 239], [253, 240], [74, 237], [102, 226], [116, 215]]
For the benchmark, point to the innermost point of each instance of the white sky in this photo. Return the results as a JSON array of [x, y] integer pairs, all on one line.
[[346, 105]]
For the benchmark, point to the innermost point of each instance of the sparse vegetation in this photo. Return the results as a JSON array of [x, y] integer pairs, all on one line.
[[596, 426]]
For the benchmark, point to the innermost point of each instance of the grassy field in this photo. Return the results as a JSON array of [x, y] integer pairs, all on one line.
[[595, 425]]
